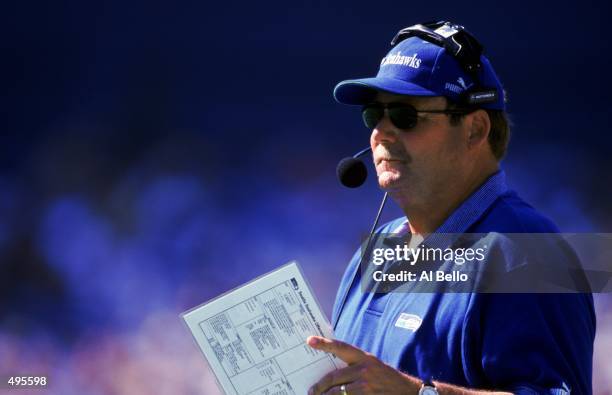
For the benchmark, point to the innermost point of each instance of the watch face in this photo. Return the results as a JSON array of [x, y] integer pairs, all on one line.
[[428, 391]]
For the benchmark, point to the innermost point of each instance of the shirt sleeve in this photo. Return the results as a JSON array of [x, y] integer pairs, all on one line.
[[530, 343]]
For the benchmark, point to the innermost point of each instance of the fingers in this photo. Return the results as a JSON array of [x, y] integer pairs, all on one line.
[[344, 351], [335, 379], [350, 389]]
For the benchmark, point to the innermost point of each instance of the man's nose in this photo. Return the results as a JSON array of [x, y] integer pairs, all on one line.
[[384, 131]]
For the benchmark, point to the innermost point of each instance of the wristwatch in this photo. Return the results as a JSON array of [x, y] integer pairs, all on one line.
[[428, 388]]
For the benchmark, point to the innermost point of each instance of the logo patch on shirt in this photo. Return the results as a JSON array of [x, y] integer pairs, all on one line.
[[411, 322]]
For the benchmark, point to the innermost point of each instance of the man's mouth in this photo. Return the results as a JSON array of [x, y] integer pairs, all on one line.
[[380, 160]]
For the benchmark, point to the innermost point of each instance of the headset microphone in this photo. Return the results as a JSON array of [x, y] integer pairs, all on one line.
[[351, 171]]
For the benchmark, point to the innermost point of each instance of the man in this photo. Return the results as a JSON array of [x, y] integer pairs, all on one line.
[[439, 131]]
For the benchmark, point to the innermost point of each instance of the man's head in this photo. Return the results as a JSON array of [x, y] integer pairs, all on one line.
[[456, 143], [437, 155]]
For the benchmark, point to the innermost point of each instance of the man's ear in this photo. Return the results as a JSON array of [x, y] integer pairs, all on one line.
[[480, 127]]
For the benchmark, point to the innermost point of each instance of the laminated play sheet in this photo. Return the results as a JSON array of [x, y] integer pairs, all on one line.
[[254, 337]]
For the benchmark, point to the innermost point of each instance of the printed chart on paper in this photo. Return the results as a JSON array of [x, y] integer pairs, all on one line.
[[254, 337]]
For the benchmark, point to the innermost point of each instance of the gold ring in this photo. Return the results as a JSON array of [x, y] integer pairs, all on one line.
[[343, 389]]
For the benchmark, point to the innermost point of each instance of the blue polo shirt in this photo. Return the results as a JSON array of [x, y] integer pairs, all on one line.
[[524, 343]]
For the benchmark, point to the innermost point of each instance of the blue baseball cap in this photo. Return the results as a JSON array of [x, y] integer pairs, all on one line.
[[417, 67]]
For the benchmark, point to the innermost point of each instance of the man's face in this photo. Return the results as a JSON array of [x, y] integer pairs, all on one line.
[[421, 163]]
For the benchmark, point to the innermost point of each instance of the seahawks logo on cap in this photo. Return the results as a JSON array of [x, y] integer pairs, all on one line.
[[397, 58]]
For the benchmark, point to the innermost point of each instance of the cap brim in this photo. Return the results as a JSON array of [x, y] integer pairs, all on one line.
[[363, 91]]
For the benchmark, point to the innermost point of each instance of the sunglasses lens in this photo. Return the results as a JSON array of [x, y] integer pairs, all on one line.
[[371, 115], [403, 117]]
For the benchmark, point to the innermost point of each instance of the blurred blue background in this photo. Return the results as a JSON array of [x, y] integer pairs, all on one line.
[[154, 155]]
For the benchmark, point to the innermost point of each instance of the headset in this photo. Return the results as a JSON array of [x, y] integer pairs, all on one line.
[[463, 46]]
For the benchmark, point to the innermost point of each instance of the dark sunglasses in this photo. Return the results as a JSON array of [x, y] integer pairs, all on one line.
[[402, 115]]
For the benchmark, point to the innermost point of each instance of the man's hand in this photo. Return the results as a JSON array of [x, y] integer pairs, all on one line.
[[365, 374]]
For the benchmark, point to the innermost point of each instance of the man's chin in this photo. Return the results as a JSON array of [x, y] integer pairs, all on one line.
[[389, 180]]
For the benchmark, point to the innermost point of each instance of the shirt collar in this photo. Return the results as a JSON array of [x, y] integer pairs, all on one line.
[[467, 213]]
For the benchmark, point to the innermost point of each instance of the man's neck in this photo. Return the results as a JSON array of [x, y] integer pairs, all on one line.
[[429, 216]]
